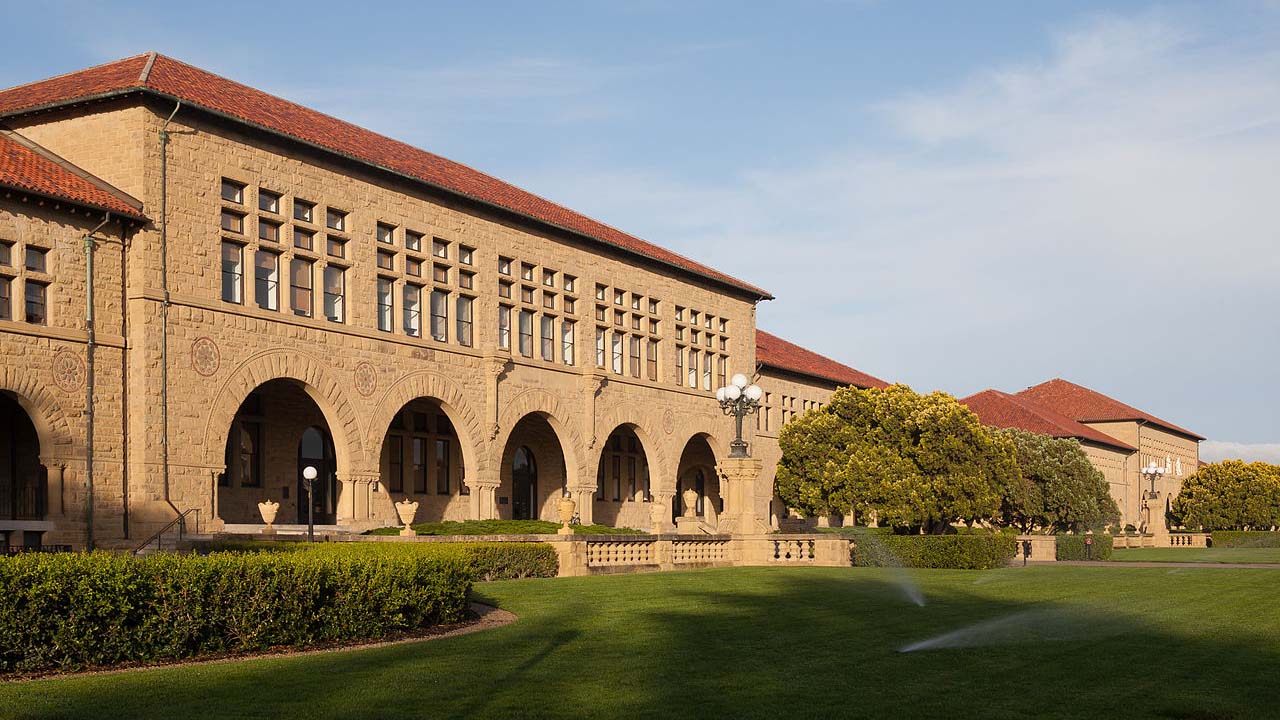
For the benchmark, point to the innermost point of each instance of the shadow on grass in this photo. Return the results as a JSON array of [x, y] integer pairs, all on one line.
[[747, 643]]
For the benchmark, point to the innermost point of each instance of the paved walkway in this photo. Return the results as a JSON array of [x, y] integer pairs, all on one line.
[[1126, 563]]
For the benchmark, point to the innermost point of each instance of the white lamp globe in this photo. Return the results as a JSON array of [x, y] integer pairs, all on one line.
[[720, 394], [739, 380], [753, 393], [733, 392], [309, 472]]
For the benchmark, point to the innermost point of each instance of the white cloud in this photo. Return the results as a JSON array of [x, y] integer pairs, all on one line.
[[1215, 450]]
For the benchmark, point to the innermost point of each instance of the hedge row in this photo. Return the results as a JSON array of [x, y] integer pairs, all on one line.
[[485, 561], [1073, 547], [956, 552], [1245, 539], [75, 610]]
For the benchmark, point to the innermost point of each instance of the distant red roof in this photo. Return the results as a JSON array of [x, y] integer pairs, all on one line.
[[1002, 410], [773, 351], [167, 77], [1085, 405], [30, 168]]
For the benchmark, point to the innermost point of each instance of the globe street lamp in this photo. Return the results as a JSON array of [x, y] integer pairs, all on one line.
[[739, 399], [309, 476], [1153, 472]]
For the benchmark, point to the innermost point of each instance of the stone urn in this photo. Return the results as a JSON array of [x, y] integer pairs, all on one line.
[[268, 510], [566, 506], [690, 497], [407, 511], [658, 515]]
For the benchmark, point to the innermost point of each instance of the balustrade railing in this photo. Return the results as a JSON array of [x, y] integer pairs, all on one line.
[[614, 553], [793, 550], [699, 551]]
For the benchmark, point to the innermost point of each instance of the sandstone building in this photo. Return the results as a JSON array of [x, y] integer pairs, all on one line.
[[274, 288]]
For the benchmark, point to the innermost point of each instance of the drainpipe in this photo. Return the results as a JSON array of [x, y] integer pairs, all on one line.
[[164, 305], [89, 384]]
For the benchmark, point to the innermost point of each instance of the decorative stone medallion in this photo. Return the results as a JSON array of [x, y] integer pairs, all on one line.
[[68, 370], [668, 421], [366, 379], [205, 357]]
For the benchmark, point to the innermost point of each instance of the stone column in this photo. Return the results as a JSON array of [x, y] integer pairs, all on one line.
[[55, 473], [585, 497], [346, 500], [363, 498], [738, 480], [494, 368]]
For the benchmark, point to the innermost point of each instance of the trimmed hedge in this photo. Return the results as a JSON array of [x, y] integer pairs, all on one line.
[[1072, 547], [485, 561], [955, 552], [504, 527], [1245, 539], [68, 611]]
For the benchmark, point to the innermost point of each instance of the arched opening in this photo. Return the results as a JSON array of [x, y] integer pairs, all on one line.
[[622, 481], [534, 471], [276, 432], [316, 450], [697, 471], [422, 461], [23, 482]]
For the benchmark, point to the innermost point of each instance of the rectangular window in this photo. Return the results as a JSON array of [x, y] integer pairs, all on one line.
[[679, 365], [335, 293], [300, 285], [440, 248], [266, 279], [440, 273], [385, 311], [386, 234], [466, 280], [440, 315], [601, 312], [37, 303], [504, 289], [303, 210], [304, 239], [419, 465], [653, 326], [635, 301], [6, 298], [618, 295], [693, 368], [653, 307], [570, 283], [526, 333], [633, 353], [463, 316], [600, 291], [386, 260], [679, 313], [635, 322], [337, 247], [631, 476], [466, 255], [567, 342], [616, 348], [250, 454], [504, 265], [413, 240], [442, 467], [395, 464], [600, 347], [232, 272], [652, 359], [526, 272], [548, 300], [617, 477], [268, 201], [548, 338], [526, 295], [37, 259], [232, 191], [549, 278], [6, 254], [268, 230], [233, 222], [335, 220], [413, 266], [568, 305], [412, 305], [722, 367], [504, 327], [706, 371]]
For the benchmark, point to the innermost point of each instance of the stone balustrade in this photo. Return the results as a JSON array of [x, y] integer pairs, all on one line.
[[1189, 540], [699, 552], [614, 553]]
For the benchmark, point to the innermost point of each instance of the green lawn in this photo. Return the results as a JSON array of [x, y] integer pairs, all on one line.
[[503, 527], [1214, 555], [1052, 642]]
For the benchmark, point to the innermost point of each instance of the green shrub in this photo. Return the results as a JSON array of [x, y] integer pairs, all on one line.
[[956, 552], [1073, 547], [1245, 539], [511, 561], [74, 610]]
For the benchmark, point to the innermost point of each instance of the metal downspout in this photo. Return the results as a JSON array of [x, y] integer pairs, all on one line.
[[89, 381], [164, 305]]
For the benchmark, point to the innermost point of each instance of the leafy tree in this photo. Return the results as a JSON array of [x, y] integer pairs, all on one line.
[[1229, 495], [916, 461], [1063, 491]]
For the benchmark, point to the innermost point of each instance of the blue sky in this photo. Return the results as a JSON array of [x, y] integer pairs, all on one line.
[[974, 194]]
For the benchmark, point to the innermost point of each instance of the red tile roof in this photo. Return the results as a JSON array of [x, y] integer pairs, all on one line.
[[165, 76], [30, 168], [775, 352], [1085, 405], [1002, 410]]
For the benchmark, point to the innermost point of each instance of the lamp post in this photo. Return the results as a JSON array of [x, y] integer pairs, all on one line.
[[739, 398], [1153, 472], [309, 476]]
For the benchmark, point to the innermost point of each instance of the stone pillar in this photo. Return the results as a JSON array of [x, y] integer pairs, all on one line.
[[346, 500], [363, 498], [738, 480], [484, 499], [585, 497], [55, 473]]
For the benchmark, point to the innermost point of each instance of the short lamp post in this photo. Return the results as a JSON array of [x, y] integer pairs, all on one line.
[[739, 398], [309, 476]]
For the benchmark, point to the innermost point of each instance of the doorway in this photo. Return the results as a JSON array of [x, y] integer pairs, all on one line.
[[524, 485], [316, 450]]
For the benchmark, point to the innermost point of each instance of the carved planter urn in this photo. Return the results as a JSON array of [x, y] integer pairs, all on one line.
[[268, 510], [566, 507], [690, 497], [407, 511]]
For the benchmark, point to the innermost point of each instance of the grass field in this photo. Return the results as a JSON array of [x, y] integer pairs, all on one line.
[[1049, 642], [1214, 555]]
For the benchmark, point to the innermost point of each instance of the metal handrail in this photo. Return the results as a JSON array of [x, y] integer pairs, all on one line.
[[180, 522]]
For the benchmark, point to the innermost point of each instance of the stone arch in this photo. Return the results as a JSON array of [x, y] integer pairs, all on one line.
[[426, 384], [629, 415], [540, 402], [44, 410], [316, 380]]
